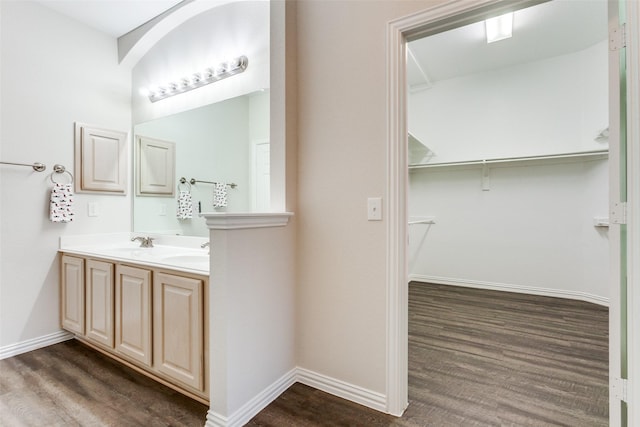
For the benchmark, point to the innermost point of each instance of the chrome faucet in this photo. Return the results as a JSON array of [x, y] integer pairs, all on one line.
[[145, 242]]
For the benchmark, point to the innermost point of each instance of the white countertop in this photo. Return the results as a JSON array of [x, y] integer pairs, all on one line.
[[180, 253]]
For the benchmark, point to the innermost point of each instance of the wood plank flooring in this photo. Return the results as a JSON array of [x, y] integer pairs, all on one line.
[[69, 384], [482, 358], [476, 358]]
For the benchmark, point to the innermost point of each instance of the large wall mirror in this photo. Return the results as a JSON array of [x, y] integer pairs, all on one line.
[[226, 143], [220, 133]]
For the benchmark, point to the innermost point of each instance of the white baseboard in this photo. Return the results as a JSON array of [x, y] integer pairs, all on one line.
[[321, 382], [354, 393], [34, 344], [255, 405], [558, 293]]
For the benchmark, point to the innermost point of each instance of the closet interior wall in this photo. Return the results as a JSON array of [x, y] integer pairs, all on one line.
[[531, 226]]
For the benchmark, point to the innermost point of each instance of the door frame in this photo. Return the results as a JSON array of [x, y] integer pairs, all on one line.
[[633, 209], [442, 18]]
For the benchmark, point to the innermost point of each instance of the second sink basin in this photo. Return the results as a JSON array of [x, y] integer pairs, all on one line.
[[191, 259]]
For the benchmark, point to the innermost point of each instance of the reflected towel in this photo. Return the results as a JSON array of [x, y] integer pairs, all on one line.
[[220, 195], [185, 205], [61, 203]]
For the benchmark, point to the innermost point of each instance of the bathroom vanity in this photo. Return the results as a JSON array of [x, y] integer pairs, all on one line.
[[145, 307]]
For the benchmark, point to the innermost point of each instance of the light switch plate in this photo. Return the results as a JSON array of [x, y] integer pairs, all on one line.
[[374, 209]]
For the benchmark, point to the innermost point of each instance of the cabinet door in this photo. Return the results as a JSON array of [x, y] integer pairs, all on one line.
[[72, 294], [178, 328], [133, 313], [99, 302]]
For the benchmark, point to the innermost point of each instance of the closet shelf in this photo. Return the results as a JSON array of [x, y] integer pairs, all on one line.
[[577, 154], [419, 153]]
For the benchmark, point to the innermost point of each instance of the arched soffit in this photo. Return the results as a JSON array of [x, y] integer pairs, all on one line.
[[135, 44]]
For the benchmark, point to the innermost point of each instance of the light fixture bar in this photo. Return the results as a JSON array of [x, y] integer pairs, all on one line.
[[196, 80], [499, 28]]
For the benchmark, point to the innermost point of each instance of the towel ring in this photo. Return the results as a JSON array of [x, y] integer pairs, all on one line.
[[60, 169], [183, 181]]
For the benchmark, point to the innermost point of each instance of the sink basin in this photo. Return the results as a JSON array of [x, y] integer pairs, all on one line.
[[189, 259], [155, 251], [122, 249]]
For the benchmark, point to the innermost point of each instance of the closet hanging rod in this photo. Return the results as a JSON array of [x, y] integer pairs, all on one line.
[[37, 166], [192, 181], [422, 221], [513, 159]]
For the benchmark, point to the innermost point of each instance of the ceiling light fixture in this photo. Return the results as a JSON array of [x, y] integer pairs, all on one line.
[[196, 80], [499, 28]]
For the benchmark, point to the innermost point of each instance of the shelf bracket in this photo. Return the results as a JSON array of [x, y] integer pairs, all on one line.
[[486, 182]]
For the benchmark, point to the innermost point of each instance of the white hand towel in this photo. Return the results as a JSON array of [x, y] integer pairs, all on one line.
[[61, 203], [185, 205], [220, 195]]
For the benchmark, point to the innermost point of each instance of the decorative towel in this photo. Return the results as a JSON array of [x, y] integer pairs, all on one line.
[[185, 205], [220, 195], [61, 203]]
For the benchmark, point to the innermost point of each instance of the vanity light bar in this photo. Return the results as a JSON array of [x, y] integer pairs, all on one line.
[[210, 75]]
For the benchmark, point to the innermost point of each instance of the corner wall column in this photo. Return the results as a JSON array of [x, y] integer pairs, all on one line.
[[251, 314]]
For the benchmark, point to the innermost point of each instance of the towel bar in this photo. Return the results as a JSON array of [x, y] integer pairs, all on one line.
[[193, 181], [37, 166]]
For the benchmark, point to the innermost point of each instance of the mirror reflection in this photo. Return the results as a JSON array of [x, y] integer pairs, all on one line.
[[221, 151]]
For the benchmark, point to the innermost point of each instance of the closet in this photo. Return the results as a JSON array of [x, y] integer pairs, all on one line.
[[508, 175]]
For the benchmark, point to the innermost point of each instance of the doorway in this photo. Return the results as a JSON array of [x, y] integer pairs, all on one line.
[[433, 21], [513, 175]]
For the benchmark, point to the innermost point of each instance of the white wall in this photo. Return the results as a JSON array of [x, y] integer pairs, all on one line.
[[533, 231], [54, 71], [556, 105]]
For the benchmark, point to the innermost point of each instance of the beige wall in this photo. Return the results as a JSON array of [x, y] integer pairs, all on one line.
[[342, 111]]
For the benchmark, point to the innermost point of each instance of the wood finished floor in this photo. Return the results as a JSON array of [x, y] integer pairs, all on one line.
[[482, 358], [69, 384], [476, 358]]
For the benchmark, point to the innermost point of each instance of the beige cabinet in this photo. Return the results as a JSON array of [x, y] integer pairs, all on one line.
[[99, 302], [156, 166], [133, 313], [72, 294], [178, 328], [153, 320], [101, 160]]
